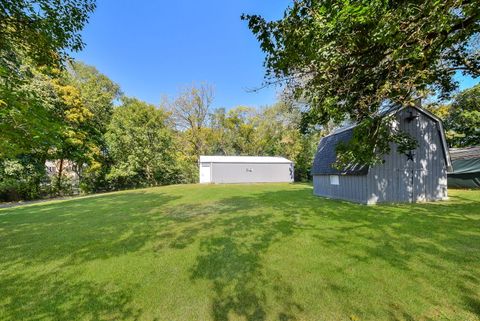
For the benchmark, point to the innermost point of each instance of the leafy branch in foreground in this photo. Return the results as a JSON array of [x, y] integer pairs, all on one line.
[[43, 30], [348, 60], [35, 38]]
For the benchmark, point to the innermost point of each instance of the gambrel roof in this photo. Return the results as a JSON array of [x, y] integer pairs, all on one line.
[[326, 155]]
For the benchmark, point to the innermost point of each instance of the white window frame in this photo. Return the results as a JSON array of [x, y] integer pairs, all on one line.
[[334, 180]]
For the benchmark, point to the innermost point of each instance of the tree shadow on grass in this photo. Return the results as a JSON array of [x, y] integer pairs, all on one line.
[[81, 230], [233, 263], [72, 232], [435, 234], [234, 236], [46, 296], [444, 236], [53, 237]]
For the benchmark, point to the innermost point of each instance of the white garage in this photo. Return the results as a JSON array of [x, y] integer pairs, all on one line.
[[245, 169]]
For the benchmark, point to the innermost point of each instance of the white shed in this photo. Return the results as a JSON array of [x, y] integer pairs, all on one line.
[[245, 169]]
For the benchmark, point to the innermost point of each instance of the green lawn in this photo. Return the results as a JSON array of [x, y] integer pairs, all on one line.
[[239, 252]]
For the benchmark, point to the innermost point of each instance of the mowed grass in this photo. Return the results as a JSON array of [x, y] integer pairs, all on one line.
[[239, 252]]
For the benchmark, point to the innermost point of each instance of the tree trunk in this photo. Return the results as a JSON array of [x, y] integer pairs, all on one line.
[[59, 180]]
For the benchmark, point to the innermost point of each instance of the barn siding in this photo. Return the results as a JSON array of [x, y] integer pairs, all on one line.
[[398, 179], [240, 172], [350, 188], [392, 181]]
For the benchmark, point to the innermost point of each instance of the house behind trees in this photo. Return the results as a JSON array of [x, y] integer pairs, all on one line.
[[65, 170], [420, 175]]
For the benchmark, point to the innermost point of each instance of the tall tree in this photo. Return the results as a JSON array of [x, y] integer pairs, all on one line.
[[42, 30], [74, 141], [461, 118], [190, 112], [464, 118], [220, 143], [28, 116], [240, 126], [98, 94], [35, 36], [141, 144], [279, 134], [348, 60]]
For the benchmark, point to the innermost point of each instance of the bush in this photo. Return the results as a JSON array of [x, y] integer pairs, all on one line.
[[20, 179]]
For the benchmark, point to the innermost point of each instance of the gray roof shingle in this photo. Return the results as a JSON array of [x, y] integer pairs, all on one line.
[[326, 156]]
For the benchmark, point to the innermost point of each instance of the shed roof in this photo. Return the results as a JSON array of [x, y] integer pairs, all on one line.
[[465, 160], [465, 153], [326, 155], [245, 159]]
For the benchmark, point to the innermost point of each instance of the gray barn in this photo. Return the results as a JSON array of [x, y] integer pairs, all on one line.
[[245, 169], [420, 176]]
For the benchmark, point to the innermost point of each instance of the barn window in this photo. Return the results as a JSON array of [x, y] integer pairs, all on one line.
[[250, 170], [334, 180]]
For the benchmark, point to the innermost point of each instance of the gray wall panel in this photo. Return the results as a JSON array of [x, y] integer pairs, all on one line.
[[251, 173], [351, 187], [403, 180], [398, 179]]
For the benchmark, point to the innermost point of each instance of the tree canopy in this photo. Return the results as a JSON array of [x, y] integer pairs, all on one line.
[[464, 118], [190, 113], [41, 30], [35, 39], [461, 118], [349, 60], [141, 145]]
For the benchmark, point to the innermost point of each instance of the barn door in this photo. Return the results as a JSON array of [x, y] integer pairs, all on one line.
[[403, 187], [412, 184], [419, 185]]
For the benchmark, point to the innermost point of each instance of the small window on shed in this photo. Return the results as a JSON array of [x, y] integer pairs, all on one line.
[[334, 180]]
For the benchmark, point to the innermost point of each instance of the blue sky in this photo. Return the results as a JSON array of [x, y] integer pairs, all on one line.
[[154, 48]]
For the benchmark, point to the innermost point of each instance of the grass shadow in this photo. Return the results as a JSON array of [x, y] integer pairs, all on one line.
[[45, 296], [235, 240], [439, 235]]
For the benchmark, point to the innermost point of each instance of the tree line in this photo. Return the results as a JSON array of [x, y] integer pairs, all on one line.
[[66, 114], [111, 141], [346, 61]]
